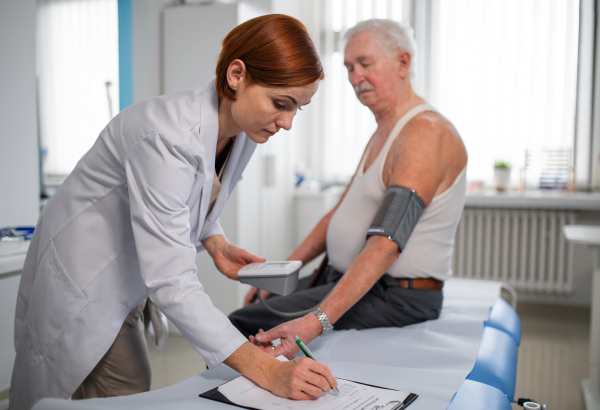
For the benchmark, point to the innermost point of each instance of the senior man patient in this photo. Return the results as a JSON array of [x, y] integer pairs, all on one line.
[[390, 238]]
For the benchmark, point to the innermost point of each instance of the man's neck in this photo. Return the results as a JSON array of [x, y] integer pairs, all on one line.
[[408, 99]]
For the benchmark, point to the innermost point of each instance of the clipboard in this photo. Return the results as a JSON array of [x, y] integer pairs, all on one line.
[[216, 395]]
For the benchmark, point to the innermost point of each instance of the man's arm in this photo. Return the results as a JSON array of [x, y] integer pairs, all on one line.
[[315, 243], [417, 164], [312, 246]]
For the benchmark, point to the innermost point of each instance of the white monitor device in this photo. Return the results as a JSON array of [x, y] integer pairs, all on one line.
[[280, 277]]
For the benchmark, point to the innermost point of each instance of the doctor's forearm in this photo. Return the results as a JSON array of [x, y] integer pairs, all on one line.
[[301, 379], [252, 363], [212, 244], [368, 267]]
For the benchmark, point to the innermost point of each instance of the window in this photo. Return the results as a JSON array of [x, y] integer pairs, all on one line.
[[78, 76], [505, 73], [343, 126]]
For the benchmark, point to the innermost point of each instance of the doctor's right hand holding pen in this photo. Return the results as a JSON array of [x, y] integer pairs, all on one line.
[[299, 379]]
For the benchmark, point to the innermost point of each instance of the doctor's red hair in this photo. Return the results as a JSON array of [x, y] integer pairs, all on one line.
[[277, 51]]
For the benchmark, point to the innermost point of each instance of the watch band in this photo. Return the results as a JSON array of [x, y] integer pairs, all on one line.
[[327, 327]]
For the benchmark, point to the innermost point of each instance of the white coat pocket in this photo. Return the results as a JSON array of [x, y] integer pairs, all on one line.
[[55, 301]]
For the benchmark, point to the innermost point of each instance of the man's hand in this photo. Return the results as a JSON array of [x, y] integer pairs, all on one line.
[[251, 296], [306, 328], [228, 258]]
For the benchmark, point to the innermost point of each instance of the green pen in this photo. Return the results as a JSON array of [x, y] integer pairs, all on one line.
[[309, 354]]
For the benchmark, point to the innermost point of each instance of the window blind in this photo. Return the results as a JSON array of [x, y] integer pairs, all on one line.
[[77, 47], [342, 126], [504, 72]]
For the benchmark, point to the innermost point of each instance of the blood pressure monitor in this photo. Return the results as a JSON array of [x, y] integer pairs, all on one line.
[[280, 277]]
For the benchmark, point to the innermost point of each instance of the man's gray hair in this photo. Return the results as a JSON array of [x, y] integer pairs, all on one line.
[[391, 37]]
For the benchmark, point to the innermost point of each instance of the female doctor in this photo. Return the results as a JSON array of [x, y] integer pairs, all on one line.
[[127, 223]]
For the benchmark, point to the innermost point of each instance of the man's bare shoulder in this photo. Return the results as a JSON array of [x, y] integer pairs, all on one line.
[[430, 125], [428, 142]]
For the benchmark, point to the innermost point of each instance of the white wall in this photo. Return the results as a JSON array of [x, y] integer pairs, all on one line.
[[146, 47], [19, 186], [192, 43], [8, 301]]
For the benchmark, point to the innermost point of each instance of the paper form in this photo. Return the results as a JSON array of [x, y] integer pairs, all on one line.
[[353, 396]]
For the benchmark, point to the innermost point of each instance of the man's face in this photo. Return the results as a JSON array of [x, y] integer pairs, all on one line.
[[374, 76]]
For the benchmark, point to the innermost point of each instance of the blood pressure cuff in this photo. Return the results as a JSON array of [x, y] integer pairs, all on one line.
[[397, 216]]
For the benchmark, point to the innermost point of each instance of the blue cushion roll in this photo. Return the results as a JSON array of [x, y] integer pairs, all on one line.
[[496, 363], [503, 317], [473, 395]]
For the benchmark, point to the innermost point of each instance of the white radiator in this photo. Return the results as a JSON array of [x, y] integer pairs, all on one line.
[[524, 248]]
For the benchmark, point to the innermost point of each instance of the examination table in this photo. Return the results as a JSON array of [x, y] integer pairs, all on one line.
[[466, 359]]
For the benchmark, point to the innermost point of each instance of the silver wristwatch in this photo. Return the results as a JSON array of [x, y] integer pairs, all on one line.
[[327, 327]]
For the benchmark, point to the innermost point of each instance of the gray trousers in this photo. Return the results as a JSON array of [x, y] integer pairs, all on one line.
[[385, 305], [124, 369]]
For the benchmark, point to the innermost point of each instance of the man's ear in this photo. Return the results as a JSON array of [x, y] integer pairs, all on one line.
[[236, 73], [404, 59]]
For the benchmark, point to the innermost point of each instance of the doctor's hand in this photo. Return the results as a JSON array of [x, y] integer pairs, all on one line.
[[251, 296], [300, 379], [307, 328], [228, 258]]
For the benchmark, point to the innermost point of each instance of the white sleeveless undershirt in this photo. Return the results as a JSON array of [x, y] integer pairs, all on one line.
[[428, 252]]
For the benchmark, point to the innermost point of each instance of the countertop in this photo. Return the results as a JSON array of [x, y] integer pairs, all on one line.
[[538, 199], [12, 264], [535, 199], [583, 234]]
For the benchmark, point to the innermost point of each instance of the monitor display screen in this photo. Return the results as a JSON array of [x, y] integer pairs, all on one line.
[[274, 265]]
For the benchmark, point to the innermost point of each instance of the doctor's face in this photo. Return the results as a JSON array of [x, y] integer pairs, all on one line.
[[261, 111]]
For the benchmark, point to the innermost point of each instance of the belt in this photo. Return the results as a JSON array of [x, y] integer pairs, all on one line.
[[421, 283]]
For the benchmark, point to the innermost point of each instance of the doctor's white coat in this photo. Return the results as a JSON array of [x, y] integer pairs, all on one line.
[[125, 225]]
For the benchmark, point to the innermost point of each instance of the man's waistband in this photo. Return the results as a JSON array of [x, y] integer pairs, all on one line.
[[420, 283]]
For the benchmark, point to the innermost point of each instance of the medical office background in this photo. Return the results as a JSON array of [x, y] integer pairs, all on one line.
[[518, 78]]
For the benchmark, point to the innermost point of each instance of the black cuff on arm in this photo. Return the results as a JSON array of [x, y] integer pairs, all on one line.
[[397, 216]]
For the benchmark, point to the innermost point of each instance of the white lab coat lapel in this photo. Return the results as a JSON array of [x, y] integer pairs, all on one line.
[[242, 151], [226, 180], [207, 134]]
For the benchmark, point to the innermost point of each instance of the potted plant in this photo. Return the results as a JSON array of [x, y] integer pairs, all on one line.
[[502, 175]]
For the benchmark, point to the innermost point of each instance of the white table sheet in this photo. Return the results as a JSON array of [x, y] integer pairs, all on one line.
[[431, 359]]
